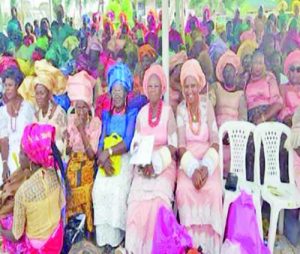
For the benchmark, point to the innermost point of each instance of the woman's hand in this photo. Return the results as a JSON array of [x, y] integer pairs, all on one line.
[[288, 121], [102, 157], [176, 86], [148, 171], [80, 125], [66, 136], [259, 118], [6, 172], [109, 170], [200, 177], [196, 179]]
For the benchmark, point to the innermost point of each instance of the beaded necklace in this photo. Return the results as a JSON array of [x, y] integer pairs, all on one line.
[[153, 123]]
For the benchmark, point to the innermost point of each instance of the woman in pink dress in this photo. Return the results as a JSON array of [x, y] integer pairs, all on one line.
[[199, 193], [29, 38], [229, 103], [291, 91], [152, 185], [264, 103], [262, 92]]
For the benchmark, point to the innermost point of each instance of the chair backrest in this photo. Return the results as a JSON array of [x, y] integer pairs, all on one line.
[[269, 135], [238, 134]]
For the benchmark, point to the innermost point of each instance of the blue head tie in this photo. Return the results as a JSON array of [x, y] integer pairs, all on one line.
[[119, 74]]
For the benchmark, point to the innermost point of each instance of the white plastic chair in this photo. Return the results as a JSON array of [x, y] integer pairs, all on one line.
[[279, 195], [239, 133]]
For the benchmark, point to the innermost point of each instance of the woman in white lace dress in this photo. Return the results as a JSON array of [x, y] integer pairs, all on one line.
[[113, 180], [14, 117]]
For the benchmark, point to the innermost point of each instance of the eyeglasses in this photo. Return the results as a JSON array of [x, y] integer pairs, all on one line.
[[294, 68]]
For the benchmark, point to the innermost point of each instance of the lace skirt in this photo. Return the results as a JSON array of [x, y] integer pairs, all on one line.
[[110, 196]]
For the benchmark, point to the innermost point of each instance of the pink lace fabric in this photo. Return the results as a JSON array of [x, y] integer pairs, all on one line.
[[9, 246]]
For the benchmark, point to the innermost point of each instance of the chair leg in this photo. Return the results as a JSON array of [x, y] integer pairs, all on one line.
[[281, 222], [175, 208], [272, 228], [226, 205], [257, 204]]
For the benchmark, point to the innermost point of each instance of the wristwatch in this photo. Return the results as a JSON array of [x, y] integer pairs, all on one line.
[[110, 151]]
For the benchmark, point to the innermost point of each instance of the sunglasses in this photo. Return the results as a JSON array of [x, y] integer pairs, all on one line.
[[294, 68]]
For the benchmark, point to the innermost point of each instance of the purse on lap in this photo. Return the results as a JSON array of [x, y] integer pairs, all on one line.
[[116, 160]]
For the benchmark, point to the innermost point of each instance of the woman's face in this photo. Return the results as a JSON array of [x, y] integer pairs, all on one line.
[[247, 62], [152, 42], [283, 27], [14, 12], [276, 62], [107, 28], [118, 95], [154, 89], [124, 30], [294, 74], [82, 110], [205, 15], [193, 24], [269, 47], [28, 29], [229, 74], [11, 90], [60, 13], [42, 96], [94, 58], [150, 21], [272, 25], [237, 14], [23, 159], [229, 27], [146, 62], [195, 50], [260, 12], [131, 60], [191, 89], [44, 25], [17, 39], [176, 73], [258, 65]]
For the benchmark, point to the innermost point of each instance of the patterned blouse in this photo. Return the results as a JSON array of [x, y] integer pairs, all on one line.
[[38, 204]]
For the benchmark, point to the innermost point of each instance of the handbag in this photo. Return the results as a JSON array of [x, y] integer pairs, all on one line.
[[116, 160], [231, 182]]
